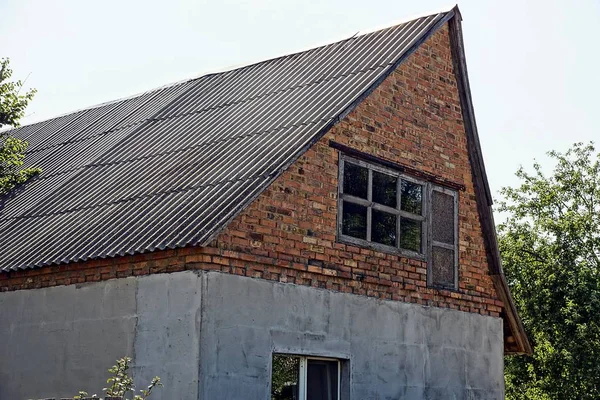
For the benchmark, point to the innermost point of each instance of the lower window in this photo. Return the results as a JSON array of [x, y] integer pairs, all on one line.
[[304, 378]]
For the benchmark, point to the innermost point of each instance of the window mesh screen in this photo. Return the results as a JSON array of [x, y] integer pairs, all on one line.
[[442, 213], [442, 267]]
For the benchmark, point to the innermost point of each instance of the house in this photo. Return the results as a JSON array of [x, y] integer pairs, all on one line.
[[315, 226]]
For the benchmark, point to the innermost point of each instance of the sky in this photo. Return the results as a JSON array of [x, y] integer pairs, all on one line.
[[534, 66]]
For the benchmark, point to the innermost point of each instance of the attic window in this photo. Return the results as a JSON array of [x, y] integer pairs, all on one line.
[[383, 209]]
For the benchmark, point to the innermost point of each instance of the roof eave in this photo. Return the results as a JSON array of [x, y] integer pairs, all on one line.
[[483, 193]]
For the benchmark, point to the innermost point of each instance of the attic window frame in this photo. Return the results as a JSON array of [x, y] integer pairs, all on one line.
[[427, 241]]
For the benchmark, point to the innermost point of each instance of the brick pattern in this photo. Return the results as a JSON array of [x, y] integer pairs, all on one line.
[[288, 234]]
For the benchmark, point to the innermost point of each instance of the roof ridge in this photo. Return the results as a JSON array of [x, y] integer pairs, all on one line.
[[344, 38], [224, 105], [106, 103]]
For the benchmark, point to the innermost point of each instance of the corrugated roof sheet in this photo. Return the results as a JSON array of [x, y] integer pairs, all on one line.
[[170, 167]]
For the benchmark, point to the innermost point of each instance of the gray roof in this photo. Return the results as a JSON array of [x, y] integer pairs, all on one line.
[[171, 167]]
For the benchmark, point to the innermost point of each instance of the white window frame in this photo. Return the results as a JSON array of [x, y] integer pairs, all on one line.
[[425, 217], [302, 376], [303, 373]]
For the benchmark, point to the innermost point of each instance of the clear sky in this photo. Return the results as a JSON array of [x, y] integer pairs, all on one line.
[[534, 65]]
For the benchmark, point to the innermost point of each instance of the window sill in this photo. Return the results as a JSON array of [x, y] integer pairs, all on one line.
[[380, 247]]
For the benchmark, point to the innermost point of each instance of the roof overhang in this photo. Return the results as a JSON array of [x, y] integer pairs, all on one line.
[[515, 337]]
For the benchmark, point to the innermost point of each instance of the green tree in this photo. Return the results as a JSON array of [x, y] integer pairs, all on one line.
[[12, 150], [120, 384], [550, 246]]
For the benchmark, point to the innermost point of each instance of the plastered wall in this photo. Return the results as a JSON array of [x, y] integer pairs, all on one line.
[[211, 335]]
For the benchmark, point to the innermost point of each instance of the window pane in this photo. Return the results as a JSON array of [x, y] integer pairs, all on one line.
[[322, 380], [412, 197], [356, 180], [410, 235], [383, 228], [442, 268], [354, 220], [384, 189], [284, 377], [442, 222]]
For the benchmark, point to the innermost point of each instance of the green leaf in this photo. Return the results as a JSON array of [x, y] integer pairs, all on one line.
[[12, 150], [550, 247]]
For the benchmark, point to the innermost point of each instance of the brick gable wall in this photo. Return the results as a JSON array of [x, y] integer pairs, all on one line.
[[288, 233]]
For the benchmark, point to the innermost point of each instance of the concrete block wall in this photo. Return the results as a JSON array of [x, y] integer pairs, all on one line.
[[60, 340], [211, 335]]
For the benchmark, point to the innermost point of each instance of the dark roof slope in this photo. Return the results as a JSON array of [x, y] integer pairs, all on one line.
[[170, 167]]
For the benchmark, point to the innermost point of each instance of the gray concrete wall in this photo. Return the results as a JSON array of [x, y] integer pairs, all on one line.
[[211, 336], [59, 340], [395, 350]]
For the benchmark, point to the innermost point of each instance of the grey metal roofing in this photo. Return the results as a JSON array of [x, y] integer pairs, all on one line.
[[171, 167]]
